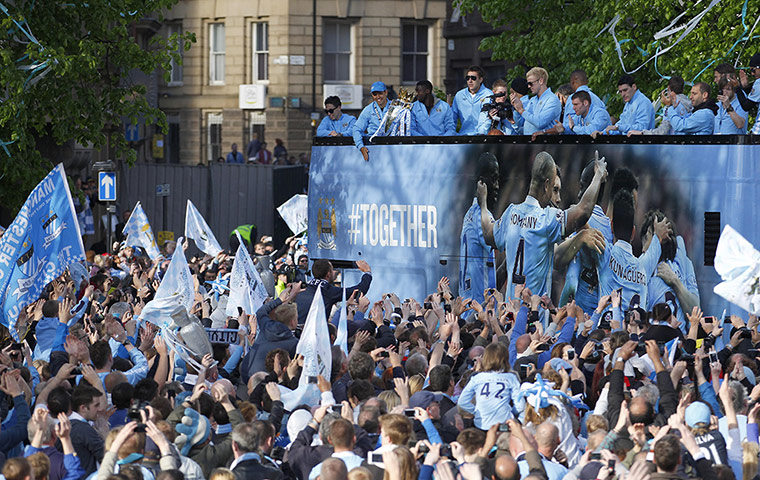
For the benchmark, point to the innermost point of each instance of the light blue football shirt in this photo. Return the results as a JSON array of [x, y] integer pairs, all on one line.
[[618, 268], [476, 262], [527, 233]]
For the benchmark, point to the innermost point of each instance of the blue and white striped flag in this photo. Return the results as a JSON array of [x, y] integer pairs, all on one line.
[[197, 229], [43, 240], [139, 233]]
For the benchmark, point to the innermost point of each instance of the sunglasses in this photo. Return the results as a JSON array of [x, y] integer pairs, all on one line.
[[530, 84], [471, 77], [330, 111], [374, 94]]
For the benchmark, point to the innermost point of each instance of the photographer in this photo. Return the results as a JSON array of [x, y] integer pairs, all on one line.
[[497, 112]]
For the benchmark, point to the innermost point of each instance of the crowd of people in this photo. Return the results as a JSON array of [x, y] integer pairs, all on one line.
[[625, 379], [528, 106], [257, 152]]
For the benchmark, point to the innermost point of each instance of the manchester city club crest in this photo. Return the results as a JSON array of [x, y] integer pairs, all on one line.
[[326, 224], [30, 267], [53, 227]]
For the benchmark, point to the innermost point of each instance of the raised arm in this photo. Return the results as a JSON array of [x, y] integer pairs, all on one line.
[[486, 219], [566, 251], [578, 214]]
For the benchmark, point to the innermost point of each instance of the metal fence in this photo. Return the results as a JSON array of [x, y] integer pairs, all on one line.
[[227, 195]]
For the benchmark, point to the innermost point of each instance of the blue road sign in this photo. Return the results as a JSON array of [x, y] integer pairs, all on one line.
[[107, 186], [132, 132]]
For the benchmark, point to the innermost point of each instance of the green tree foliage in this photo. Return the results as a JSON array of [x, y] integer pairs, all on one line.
[[564, 35], [72, 80]]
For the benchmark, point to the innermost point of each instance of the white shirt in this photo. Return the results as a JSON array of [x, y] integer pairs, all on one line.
[[351, 460]]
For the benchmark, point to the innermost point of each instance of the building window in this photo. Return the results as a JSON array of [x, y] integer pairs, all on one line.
[[214, 136], [336, 51], [176, 66], [171, 141], [414, 52], [216, 49], [260, 36]]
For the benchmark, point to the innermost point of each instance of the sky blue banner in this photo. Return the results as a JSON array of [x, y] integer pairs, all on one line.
[[403, 210], [37, 247]]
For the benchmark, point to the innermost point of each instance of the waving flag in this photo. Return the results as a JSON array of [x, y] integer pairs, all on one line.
[[341, 339], [295, 213], [43, 240], [738, 264], [314, 345], [197, 229], [139, 234], [177, 288], [246, 288]]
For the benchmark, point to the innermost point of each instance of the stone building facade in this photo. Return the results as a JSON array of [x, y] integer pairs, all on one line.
[[256, 67]]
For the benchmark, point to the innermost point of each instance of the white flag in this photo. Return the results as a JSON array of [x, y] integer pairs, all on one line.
[[295, 213], [341, 339], [738, 264], [138, 232], [177, 288], [197, 229], [246, 288], [314, 345]]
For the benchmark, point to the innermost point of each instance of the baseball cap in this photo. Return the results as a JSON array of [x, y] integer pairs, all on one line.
[[696, 413], [424, 398], [378, 87], [520, 85], [754, 61]]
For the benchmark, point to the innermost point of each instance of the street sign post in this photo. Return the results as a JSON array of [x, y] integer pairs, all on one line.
[[107, 186], [164, 190], [107, 193]]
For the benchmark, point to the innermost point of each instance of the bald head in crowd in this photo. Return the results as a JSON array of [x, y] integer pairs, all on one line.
[[547, 438], [333, 469], [506, 468]]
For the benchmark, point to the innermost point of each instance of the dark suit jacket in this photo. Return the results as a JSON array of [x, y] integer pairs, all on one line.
[[252, 469], [88, 445]]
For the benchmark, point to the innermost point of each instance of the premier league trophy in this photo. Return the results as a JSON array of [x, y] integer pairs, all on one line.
[[397, 120]]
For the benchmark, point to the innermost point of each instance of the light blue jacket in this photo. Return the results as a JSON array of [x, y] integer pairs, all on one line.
[[723, 123], [466, 108], [597, 119], [595, 101], [439, 122], [368, 122], [541, 112], [638, 114], [344, 125], [700, 121]]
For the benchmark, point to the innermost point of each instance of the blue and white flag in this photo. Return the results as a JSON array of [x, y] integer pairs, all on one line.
[[43, 240], [314, 345], [197, 229], [139, 234], [246, 288], [341, 339], [738, 264], [177, 288], [295, 212]]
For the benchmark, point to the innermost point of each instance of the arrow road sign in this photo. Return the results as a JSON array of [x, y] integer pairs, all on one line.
[[107, 186]]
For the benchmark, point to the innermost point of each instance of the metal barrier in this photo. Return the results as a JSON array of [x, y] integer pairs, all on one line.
[[227, 195]]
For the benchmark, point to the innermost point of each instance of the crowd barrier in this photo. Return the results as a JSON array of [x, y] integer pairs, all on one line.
[[227, 195]]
